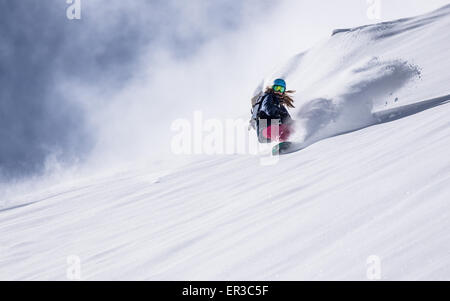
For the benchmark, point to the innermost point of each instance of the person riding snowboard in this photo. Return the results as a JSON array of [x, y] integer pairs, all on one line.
[[270, 118]]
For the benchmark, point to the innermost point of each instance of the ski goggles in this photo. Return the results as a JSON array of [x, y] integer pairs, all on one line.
[[279, 89]]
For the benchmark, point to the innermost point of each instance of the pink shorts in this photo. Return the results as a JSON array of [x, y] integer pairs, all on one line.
[[279, 132]]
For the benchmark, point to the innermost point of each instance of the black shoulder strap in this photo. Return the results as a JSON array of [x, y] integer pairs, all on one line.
[[260, 101], [254, 122]]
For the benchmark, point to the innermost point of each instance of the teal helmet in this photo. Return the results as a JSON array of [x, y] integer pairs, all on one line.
[[280, 82], [279, 85]]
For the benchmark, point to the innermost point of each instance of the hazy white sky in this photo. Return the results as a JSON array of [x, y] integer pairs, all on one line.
[[401, 8]]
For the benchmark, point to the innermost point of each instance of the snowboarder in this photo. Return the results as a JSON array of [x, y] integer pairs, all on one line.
[[270, 118]]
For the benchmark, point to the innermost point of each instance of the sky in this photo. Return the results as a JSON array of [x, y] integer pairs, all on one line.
[[106, 87]]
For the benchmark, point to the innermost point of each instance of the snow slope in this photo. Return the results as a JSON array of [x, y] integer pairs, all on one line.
[[374, 180]]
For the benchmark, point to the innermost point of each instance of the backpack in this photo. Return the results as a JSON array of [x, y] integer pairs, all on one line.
[[257, 101]]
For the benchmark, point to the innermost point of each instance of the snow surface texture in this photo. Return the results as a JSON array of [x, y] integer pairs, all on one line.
[[376, 182]]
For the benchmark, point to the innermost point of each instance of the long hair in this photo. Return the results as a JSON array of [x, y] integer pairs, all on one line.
[[286, 99]]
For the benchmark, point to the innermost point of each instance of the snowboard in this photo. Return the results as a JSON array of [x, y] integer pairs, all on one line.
[[284, 148], [281, 148]]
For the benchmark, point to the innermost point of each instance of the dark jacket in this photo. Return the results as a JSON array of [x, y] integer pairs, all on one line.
[[266, 111], [271, 108]]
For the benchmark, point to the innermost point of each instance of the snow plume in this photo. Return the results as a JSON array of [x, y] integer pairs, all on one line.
[[70, 87], [342, 81], [365, 86]]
